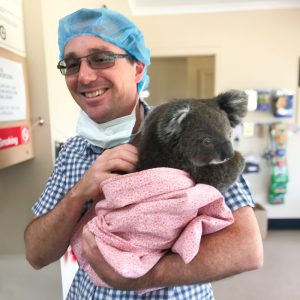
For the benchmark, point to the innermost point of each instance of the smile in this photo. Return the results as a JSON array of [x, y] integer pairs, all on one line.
[[94, 94]]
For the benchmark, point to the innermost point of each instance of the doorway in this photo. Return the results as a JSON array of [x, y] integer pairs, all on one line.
[[181, 77]]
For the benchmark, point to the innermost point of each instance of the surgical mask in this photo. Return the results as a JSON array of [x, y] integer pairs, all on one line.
[[110, 134]]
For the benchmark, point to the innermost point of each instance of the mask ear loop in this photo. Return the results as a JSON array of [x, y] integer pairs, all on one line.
[[141, 90], [142, 114]]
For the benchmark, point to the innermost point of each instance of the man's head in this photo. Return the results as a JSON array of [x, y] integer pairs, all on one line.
[[104, 85]]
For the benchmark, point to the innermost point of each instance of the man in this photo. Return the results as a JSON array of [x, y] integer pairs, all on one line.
[[104, 60]]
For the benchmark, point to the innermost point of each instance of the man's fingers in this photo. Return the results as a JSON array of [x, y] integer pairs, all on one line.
[[123, 158], [121, 165], [121, 151]]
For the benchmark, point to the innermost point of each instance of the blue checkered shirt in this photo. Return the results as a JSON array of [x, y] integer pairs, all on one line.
[[74, 159]]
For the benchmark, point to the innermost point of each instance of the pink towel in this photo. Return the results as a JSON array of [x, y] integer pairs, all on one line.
[[145, 214]]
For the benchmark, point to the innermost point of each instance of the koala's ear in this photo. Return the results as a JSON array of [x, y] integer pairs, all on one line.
[[234, 103], [170, 124]]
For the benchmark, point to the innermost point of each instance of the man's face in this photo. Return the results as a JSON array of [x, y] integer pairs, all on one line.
[[103, 94]]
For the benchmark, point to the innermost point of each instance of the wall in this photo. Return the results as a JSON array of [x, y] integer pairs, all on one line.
[[181, 77], [169, 79], [253, 49], [20, 185]]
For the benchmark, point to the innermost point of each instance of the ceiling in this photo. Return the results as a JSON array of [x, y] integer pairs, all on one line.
[[161, 7]]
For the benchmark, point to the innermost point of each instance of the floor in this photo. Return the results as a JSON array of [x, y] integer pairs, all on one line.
[[279, 279], [18, 281]]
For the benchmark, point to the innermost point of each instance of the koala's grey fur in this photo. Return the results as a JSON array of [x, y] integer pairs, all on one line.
[[194, 135]]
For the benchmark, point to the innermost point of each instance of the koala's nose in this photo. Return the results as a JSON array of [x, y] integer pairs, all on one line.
[[226, 150]]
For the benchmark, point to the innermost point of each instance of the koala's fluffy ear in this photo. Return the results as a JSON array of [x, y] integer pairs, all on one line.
[[170, 124], [234, 103]]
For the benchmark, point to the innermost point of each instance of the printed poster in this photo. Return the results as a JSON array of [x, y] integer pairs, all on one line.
[[12, 91]]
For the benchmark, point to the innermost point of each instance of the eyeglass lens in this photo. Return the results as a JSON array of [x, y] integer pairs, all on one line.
[[97, 60]]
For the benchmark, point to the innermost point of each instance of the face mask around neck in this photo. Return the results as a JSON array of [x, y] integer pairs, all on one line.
[[112, 133], [109, 134]]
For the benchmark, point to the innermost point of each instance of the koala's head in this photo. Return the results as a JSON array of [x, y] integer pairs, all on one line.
[[199, 131]]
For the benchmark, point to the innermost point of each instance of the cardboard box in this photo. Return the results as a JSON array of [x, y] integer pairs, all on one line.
[[262, 219]]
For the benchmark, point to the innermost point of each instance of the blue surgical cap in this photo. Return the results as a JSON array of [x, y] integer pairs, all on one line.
[[110, 26]]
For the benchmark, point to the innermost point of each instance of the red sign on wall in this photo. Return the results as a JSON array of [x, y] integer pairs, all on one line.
[[14, 136]]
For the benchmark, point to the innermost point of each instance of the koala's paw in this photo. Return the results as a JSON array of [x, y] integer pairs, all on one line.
[[221, 176], [231, 170], [238, 162]]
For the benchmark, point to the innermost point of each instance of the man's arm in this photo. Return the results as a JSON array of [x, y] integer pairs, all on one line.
[[235, 249], [47, 237]]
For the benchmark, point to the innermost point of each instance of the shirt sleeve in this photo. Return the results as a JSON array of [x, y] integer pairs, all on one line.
[[55, 188], [239, 195]]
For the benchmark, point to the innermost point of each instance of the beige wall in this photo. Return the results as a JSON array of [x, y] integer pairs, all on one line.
[[169, 78], [181, 77]]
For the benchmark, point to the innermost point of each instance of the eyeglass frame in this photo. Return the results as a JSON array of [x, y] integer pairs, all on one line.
[[110, 54]]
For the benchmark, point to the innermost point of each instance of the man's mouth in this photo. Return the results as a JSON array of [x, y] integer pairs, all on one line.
[[95, 93]]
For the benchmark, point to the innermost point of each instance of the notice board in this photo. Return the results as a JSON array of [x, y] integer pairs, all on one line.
[[15, 128], [15, 133]]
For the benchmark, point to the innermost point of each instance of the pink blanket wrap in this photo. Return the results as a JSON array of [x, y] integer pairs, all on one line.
[[145, 214]]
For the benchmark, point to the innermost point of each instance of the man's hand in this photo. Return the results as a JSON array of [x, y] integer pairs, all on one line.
[[122, 158], [101, 267]]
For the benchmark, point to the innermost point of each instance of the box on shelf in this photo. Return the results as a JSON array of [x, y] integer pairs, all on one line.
[[262, 219]]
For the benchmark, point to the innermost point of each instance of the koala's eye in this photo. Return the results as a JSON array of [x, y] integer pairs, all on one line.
[[206, 141]]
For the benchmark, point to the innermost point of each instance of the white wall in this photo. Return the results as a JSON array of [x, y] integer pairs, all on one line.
[[254, 49]]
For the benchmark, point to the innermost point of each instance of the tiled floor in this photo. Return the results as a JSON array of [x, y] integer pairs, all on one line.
[[279, 279]]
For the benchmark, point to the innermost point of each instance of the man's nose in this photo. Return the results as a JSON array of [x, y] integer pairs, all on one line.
[[86, 74]]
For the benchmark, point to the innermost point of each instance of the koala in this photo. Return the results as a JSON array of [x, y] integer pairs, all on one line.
[[194, 135]]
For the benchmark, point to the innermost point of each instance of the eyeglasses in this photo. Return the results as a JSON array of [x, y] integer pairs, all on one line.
[[96, 60]]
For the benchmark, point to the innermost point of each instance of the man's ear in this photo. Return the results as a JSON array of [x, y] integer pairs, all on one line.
[[139, 71]]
